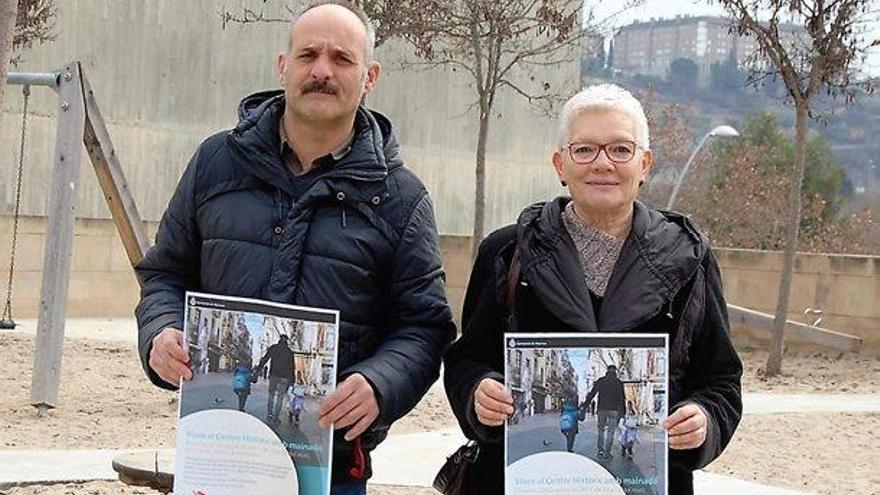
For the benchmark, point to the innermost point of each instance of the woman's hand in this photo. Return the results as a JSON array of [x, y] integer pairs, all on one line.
[[687, 427], [492, 402]]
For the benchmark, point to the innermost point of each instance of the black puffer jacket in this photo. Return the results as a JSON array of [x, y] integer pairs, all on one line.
[[361, 239], [282, 361], [666, 280], [609, 388]]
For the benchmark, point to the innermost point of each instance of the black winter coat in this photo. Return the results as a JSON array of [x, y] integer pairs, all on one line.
[[666, 280], [609, 388], [360, 238], [282, 361]]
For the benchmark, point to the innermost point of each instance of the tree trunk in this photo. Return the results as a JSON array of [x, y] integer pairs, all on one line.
[[480, 176], [774, 360], [8, 13]]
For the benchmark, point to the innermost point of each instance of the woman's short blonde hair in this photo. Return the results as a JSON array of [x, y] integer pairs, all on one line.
[[604, 97]]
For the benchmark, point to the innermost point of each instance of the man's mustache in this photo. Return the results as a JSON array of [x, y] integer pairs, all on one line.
[[319, 87]]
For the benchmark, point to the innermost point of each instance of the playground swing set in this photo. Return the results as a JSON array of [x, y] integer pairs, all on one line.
[[79, 121]]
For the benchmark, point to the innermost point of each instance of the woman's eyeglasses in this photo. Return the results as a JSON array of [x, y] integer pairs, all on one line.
[[617, 152]]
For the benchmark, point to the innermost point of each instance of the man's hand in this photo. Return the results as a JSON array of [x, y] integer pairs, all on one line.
[[353, 403], [492, 402], [167, 357], [687, 427]]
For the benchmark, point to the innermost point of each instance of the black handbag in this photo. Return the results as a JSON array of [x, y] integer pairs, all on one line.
[[452, 477]]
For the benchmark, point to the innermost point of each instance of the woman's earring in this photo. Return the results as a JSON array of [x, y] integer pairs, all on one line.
[[563, 183], [641, 182]]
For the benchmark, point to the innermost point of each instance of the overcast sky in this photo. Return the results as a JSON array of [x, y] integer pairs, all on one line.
[[670, 8]]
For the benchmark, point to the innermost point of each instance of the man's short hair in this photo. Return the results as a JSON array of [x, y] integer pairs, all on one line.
[[354, 9], [612, 367], [604, 97]]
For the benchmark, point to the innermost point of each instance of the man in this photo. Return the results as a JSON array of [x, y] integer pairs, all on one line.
[[280, 375], [612, 402], [307, 201]]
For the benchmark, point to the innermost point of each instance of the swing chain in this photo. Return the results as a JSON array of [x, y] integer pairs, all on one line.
[[6, 319]]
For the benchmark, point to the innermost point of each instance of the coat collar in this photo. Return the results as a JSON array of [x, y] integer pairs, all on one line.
[[256, 139], [661, 253]]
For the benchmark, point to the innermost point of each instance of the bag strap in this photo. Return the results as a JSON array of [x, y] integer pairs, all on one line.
[[510, 290], [512, 279]]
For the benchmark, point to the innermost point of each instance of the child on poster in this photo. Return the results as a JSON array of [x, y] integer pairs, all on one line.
[[629, 430]]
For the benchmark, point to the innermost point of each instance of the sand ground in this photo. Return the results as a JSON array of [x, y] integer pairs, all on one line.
[[106, 402]]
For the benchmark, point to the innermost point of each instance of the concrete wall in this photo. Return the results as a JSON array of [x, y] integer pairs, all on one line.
[[102, 282], [846, 288], [166, 75]]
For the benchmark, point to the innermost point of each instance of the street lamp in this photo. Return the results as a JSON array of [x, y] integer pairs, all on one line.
[[723, 131]]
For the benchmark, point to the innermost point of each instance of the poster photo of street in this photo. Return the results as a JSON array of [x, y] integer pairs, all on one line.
[[587, 412], [271, 362]]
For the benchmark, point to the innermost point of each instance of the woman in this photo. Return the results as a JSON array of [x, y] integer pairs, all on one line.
[[569, 413], [241, 380], [599, 261]]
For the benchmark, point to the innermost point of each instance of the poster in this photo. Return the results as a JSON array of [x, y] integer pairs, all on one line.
[[587, 412], [248, 419]]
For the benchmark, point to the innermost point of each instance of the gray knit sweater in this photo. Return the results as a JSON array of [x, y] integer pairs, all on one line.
[[597, 250]]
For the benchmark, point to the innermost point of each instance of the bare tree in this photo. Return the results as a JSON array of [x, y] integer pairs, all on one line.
[[34, 24], [384, 14], [500, 46], [23, 23], [672, 138], [8, 8], [818, 52]]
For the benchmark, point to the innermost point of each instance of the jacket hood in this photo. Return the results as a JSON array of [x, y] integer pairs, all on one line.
[[374, 152], [660, 255]]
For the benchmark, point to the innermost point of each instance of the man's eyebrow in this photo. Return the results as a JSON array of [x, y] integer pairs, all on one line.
[[340, 50]]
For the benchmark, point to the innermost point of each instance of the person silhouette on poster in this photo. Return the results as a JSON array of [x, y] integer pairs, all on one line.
[[280, 376], [242, 376], [569, 413], [611, 402]]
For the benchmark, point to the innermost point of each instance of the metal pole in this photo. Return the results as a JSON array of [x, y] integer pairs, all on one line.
[[684, 171], [33, 78]]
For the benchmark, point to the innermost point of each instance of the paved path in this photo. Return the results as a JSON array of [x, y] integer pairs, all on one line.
[[810, 403], [32, 466], [394, 464]]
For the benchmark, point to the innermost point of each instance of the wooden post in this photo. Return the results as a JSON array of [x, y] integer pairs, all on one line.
[[59, 241], [113, 184]]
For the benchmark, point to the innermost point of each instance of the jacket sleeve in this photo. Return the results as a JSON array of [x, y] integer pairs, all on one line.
[[591, 394], [714, 374], [478, 353], [420, 325], [169, 268]]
